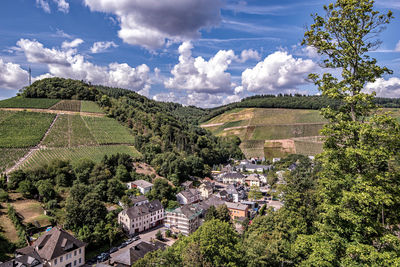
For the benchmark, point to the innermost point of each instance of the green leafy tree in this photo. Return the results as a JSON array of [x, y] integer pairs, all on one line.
[[255, 192], [358, 184], [46, 190], [27, 188], [222, 213]]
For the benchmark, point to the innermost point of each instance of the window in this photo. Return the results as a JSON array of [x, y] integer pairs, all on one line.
[[55, 262], [74, 262], [61, 258], [80, 260], [75, 253], [79, 251]]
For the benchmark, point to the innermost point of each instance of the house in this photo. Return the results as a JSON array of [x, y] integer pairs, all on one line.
[[252, 180], [237, 210], [188, 196], [231, 190], [142, 185], [185, 219], [136, 200], [140, 218], [131, 255], [232, 178], [31, 259], [56, 248], [187, 184], [224, 195], [205, 190], [253, 168], [263, 179]]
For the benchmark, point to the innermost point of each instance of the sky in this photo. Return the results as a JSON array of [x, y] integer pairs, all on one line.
[[196, 52]]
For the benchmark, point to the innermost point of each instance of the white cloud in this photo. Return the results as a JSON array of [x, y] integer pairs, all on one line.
[[99, 47], [249, 54], [72, 44], [43, 4], [167, 97], [12, 76], [279, 72], [62, 5], [397, 49], [385, 88], [69, 64], [150, 23], [199, 75]]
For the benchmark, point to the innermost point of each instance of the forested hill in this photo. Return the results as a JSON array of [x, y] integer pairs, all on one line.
[[290, 101], [166, 134]]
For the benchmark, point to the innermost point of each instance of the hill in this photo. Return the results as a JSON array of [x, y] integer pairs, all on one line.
[[36, 131], [273, 132], [84, 120]]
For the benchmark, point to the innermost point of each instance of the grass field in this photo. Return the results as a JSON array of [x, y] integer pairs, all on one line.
[[31, 211], [95, 153], [5, 114], [69, 131], [308, 145], [108, 131], [24, 129], [68, 105], [10, 156], [90, 106], [20, 102]]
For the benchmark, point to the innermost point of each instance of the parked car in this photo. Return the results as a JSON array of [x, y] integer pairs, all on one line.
[[112, 250], [122, 246], [128, 241]]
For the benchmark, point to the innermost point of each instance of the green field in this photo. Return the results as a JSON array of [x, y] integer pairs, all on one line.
[[308, 145], [69, 131], [10, 156], [90, 106], [24, 129], [108, 131], [94, 153], [68, 105], [20, 102]]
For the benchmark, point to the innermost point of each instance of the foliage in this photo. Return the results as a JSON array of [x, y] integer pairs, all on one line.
[[24, 129], [19, 226], [21, 102], [163, 191], [10, 156], [255, 193], [60, 88], [358, 186]]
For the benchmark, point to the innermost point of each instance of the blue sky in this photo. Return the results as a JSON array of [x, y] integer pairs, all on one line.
[[196, 52]]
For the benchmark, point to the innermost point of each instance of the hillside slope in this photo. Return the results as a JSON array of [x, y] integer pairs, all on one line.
[[62, 129], [273, 132]]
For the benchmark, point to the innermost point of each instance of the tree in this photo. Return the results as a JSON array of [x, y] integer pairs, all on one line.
[[159, 235], [46, 190], [27, 188], [222, 213], [255, 192], [358, 184]]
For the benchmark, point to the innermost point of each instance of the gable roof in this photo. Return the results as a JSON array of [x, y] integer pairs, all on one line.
[[144, 209], [136, 252], [189, 193], [142, 183], [53, 244], [233, 175], [235, 206]]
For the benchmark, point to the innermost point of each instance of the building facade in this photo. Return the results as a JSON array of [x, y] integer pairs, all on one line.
[[137, 219], [185, 219]]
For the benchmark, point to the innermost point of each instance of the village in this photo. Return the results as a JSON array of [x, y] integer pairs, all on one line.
[[243, 188]]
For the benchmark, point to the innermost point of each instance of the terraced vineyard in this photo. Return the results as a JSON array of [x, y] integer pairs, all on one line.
[[94, 153], [10, 156], [23, 129], [68, 105], [20, 102], [69, 131], [90, 106], [108, 131]]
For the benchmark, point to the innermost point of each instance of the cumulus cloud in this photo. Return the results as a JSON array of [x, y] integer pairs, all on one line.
[[12, 76], [249, 54], [385, 88], [69, 64], [150, 23], [199, 75], [279, 72], [72, 44], [62, 5], [99, 47], [43, 4], [397, 49]]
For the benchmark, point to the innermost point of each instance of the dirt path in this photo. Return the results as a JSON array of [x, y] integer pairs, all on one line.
[[53, 111], [32, 150], [211, 125]]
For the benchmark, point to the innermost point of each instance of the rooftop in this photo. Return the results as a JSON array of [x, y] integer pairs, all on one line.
[[144, 209], [142, 183]]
